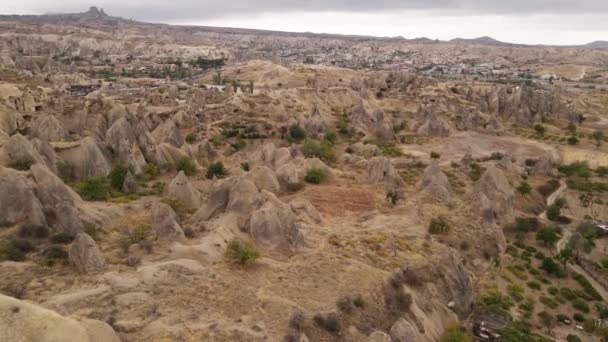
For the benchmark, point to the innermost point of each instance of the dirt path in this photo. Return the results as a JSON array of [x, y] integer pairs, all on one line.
[[566, 234]]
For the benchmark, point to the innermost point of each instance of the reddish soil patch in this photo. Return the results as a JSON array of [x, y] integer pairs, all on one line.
[[337, 200]]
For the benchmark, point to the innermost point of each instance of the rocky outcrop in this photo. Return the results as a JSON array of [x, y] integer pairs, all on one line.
[[181, 189], [18, 149], [381, 170], [442, 277], [305, 210], [85, 156], [24, 321], [429, 123], [373, 124], [404, 331], [50, 129], [124, 143], [129, 186], [85, 255], [366, 150], [435, 185], [265, 179], [494, 196], [18, 202], [244, 198], [164, 222], [217, 201], [274, 227], [314, 124], [58, 201], [168, 132]]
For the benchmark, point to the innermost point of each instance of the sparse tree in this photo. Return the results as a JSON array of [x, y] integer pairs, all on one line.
[[435, 155], [598, 137], [547, 235], [524, 188]]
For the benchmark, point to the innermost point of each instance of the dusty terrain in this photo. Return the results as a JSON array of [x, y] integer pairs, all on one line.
[[163, 183]]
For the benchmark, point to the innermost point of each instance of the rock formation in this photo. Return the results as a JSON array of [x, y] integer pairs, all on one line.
[[85, 255]]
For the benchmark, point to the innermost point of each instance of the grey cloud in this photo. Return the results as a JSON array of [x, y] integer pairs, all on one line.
[[185, 10]]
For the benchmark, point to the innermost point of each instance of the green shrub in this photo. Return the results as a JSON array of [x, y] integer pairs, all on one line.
[[318, 149], [344, 304], [215, 170], [455, 333], [187, 165], [392, 196], [242, 252], [497, 156], [494, 300], [568, 294], [66, 171], [94, 189], [29, 230], [358, 301], [435, 155], [61, 238], [540, 130], [22, 163], [524, 188], [296, 132], [476, 171], [138, 234], [245, 166], [580, 305], [572, 140], [117, 176], [391, 150], [579, 317], [527, 224], [330, 136], [151, 171], [548, 236], [516, 292], [239, 145], [586, 285], [548, 302], [10, 252], [553, 212], [349, 150], [315, 176], [533, 285], [573, 338], [329, 322], [55, 252], [190, 138], [439, 225], [580, 169]]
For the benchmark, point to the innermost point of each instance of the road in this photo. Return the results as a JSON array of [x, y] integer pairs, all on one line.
[[566, 234]]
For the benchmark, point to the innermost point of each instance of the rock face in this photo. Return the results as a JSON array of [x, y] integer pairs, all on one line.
[[381, 170], [18, 202], [305, 210], [181, 189], [165, 223], [168, 132], [430, 124], [17, 149], [124, 143], [434, 185], [444, 278], [23, 322], [50, 129], [374, 124], [58, 200], [86, 157], [129, 186], [274, 227], [217, 201], [244, 198], [265, 179], [315, 124], [494, 196], [85, 255], [404, 331]]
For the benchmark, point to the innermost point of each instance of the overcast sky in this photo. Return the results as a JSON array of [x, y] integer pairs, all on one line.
[[518, 21]]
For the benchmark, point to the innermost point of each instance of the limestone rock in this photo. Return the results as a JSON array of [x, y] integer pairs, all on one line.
[[265, 179], [244, 198], [164, 222], [168, 133], [217, 201], [404, 331], [85, 255], [18, 202], [381, 170], [273, 226], [22, 321], [379, 336], [50, 129], [58, 199], [305, 210], [17, 149], [181, 189], [494, 196], [129, 186], [435, 185], [86, 157]]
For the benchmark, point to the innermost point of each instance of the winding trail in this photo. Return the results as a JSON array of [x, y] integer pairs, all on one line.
[[566, 234]]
